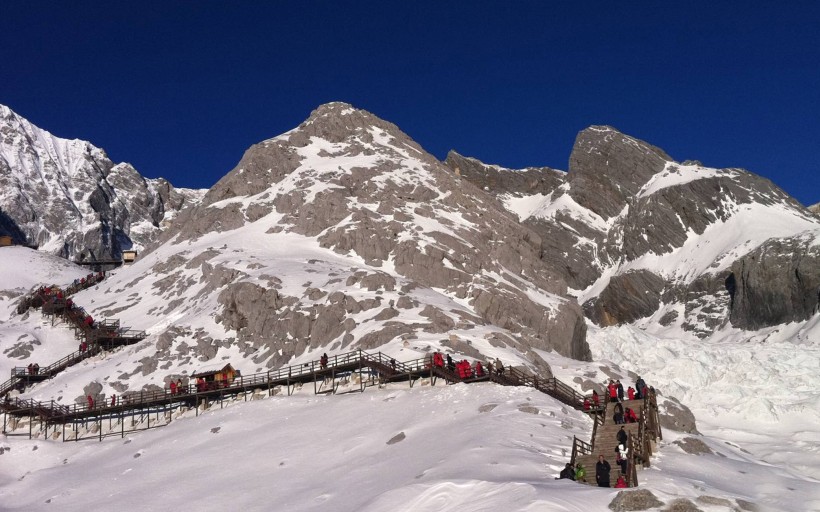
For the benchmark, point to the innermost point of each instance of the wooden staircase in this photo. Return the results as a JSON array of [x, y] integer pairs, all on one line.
[[54, 302], [641, 443]]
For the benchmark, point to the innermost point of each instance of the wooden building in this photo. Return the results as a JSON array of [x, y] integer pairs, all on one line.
[[6, 241], [215, 377], [129, 256]]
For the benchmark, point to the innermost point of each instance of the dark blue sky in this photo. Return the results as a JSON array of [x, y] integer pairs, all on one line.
[[181, 89]]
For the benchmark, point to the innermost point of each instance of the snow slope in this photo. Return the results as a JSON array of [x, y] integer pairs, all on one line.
[[481, 447]]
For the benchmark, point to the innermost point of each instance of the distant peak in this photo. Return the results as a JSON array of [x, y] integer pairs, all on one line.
[[334, 108]]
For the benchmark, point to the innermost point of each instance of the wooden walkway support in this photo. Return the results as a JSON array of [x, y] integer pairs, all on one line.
[[134, 411]]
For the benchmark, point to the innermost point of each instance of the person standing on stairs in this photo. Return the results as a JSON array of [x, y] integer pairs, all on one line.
[[602, 470], [622, 436], [621, 459], [640, 384], [613, 391], [620, 390]]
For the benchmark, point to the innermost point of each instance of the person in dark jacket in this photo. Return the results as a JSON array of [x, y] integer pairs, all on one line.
[[602, 470], [620, 390], [640, 384], [567, 472], [622, 436]]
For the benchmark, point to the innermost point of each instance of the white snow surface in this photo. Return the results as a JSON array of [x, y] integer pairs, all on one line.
[[755, 398]]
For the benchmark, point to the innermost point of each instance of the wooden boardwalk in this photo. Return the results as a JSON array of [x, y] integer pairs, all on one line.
[[134, 411]]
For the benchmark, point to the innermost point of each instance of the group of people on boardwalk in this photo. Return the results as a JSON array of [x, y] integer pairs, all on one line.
[[615, 393], [177, 388], [463, 368], [602, 473], [622, 415]]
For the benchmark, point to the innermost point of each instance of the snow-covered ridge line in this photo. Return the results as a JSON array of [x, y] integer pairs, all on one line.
[[69, 198]]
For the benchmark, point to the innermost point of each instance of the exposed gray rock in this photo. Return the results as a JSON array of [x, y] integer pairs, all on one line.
[[92, 389], [676, 416], [627, 298], [608, 168], [711, 500], [694, 446], [681, 505], [777, 283], [747, 505], [498, 180], [487, 407], [397, 438], [642, 499]]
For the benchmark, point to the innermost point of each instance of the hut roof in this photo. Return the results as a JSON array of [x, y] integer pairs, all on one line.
[[208, 371]]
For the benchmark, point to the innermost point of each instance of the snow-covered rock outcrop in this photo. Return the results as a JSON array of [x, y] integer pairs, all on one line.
[[68, 198], [640, 237]]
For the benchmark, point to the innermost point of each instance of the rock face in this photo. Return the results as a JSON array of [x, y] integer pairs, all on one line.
[[499, 180], [638, 235], [778, 282], [68, 198], [608, 168], [425, 252]]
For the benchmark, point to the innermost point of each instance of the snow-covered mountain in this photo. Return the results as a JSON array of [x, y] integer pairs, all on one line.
[[342, 234], [68, 198], [643, 239]]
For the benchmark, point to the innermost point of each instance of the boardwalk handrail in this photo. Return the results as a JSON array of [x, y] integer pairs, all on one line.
[[350, 361]]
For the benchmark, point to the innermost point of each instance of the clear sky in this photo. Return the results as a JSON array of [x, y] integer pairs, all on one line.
[[181, 88]]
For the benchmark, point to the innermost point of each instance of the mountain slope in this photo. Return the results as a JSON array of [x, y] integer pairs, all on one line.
[[69, 198], [340, 234]]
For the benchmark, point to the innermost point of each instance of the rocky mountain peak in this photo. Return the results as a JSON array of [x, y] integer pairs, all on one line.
[[362, 190], [607, 167], [67, 197]]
